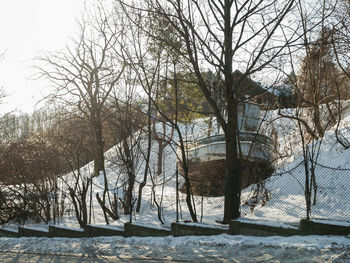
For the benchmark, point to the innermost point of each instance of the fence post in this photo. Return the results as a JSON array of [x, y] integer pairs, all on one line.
[[177, 194], [55, 201], [307, 186], [130, 201]]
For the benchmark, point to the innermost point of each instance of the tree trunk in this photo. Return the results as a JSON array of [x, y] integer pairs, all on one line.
[[184, 165], [112, 213], [96, 130], [105, 192], [232, 178], [99, 152], [128, 202], [84, 209], [143, 183], [317, 121]]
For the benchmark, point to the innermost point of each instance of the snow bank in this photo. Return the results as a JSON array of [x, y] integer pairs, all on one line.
[[193, 248]]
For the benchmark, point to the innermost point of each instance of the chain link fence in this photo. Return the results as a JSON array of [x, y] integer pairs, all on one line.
[[280, 198]]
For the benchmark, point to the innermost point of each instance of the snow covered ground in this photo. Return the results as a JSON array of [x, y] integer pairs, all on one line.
[[286, 205], [221, 248], [287, 202]]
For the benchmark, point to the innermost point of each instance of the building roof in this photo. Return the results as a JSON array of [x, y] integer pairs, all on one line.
[[246, 87]]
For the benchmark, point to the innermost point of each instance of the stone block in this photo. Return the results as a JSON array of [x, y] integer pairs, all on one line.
[[251, 229], [145, 231], [97, 231], [327, 228], [197, 229], [33, 232], [5, 232], [59, 231]]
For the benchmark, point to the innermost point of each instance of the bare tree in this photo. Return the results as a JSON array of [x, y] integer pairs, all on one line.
[[224, 34], [29, 168], [341, 37], [84, 76], [318, 81], [126, 124], [71, 139], [157, 67], [340, 40], [148, 153], [319, 87]]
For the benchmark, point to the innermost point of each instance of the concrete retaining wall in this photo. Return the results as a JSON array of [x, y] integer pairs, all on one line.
[[8, 233], [317, 228], [32, 232], [143, 231], [182, 229], [197, 229], [250, 229], [96, 231], [57, 231]]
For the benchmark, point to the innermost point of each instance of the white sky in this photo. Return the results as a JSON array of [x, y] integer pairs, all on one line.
[[26, 28]]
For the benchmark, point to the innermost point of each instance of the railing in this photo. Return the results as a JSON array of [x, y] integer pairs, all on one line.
[[256, 138]]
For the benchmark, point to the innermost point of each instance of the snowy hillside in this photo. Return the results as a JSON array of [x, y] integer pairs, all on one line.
[[287, 202], [285, 205]]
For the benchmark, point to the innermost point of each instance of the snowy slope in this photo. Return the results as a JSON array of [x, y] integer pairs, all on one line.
[[286, 202], [286, 205]]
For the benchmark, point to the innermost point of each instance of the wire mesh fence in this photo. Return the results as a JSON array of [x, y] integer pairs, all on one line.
[[280, 198], [331, 199]]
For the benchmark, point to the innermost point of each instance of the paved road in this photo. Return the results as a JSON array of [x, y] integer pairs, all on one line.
[[9, 257]]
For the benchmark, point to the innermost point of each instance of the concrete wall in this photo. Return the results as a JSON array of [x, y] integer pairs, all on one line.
[[190, 229], [96, 231], [248, 229], [318, 228], [142, 231], [56, 231], [8, 233], [32, 232], [182, 229]]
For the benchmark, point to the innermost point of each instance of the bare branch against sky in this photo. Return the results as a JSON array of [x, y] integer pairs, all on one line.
[[29, 27]]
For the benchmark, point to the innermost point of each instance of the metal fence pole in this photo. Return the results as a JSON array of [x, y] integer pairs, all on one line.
[[177, 194], [130, 201]]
